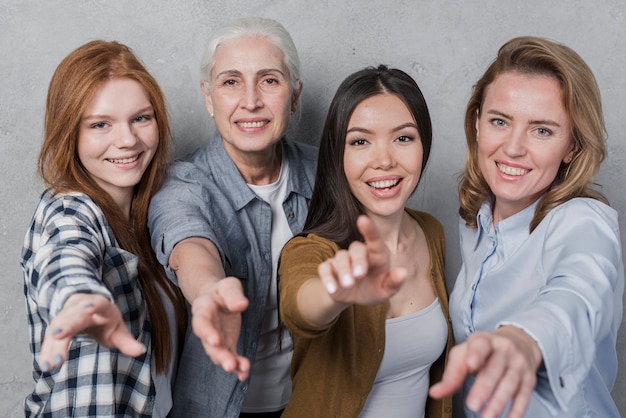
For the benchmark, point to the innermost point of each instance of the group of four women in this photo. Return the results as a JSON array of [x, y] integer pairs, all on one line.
[[312, 289]]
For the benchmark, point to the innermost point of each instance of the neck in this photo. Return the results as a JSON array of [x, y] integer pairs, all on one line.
[[393, 230], [259, 168]]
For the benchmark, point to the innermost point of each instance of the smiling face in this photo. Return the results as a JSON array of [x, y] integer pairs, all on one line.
[[250, 95], [117, 138], [524, 134], [383, 155]]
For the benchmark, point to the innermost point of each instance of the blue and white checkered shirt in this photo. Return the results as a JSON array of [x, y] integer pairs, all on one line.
[[70, 248]]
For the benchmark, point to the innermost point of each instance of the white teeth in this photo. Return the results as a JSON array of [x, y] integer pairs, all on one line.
[[383, 184], [251, 124], [512, 171], [123, 160]]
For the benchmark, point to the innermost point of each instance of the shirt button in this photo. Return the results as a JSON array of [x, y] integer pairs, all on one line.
[[290, 215], [244, 387]]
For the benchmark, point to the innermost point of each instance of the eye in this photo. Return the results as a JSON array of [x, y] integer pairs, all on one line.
[[544, 132], [358, 142], [498, 122], [99, 125], [230, 82], [405, 138], [143, 118]]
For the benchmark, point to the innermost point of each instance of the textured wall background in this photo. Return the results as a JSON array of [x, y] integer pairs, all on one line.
[[445, 45]]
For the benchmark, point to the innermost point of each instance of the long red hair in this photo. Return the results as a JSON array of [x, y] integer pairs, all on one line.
[[73, 86]]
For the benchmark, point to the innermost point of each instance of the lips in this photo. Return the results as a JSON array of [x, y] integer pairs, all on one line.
[[127, 160], [512, 171], [249, 125], [384, 184]]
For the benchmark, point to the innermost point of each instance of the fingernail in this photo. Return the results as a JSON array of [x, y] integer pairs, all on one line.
[[358, 270], [58, 359], [88, 304], [346, 279], [56, 331], [331, 288], [45, 367], [144, 349]]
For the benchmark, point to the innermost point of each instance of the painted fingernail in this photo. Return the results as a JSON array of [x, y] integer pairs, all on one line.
[[58, 359], [45, 367], [56, 331], [88, 304]]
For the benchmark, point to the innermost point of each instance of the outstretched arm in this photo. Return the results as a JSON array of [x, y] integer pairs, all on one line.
[[91, 314], [362, 274], [216, 302], [505, 363]]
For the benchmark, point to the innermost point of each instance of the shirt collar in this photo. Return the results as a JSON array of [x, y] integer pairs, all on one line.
[[512, 231], [231, 179]]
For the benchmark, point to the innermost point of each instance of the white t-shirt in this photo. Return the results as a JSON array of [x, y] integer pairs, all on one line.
[[270, 384]]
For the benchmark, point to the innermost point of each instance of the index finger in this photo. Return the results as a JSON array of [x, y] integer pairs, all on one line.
[[371, 235]]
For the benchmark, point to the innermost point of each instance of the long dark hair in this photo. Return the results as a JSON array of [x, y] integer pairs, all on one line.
[[333, 209]]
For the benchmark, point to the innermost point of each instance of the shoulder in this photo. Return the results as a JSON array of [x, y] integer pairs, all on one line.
[[583, 213], [301, 153], [429, 224], [73, 205], [309, 244]]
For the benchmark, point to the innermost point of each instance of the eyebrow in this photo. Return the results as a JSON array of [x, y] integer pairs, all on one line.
[[548, 122], [396, 129], [262, 71], [145, 109]]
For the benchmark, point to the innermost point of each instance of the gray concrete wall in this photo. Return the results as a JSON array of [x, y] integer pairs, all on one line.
[[445, 45]]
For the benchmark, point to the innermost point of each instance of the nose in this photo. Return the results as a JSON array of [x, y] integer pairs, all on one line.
[[126, 136], [515, 145], [251, 98], [384, 158]]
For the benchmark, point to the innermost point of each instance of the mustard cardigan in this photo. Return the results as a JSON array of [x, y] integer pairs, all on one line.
[[334, 366]]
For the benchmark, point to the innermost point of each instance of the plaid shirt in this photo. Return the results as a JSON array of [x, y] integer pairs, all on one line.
[[70, 248]]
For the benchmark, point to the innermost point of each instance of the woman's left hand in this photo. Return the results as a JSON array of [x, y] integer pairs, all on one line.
[[91, 314], [505, 363]]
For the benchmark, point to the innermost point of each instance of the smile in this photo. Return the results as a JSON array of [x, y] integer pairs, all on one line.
[[384, 184], [257, 124], [511, 171], [123, 160]]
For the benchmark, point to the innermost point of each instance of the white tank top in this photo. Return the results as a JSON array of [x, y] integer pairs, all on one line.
[[412, 344]]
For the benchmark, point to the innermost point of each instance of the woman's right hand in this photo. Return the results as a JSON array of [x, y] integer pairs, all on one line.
[[362, 274], [91, 314]]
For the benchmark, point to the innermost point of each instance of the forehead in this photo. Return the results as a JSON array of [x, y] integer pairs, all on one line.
[[532, 91], [248, 54]]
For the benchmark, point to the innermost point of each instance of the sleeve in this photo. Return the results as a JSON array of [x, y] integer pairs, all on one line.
[[177, 211], [298, 263], [69, 257], [576, 315]]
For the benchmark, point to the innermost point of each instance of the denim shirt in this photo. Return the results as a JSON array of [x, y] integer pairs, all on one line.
[[562, 284], [204, 195]]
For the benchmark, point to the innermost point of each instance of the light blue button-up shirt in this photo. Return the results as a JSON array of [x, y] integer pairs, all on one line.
[[563, 284], [204, 195]]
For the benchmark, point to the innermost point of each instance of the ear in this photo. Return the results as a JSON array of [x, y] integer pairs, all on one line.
[[570, 155], [296, 97], [207, 96]]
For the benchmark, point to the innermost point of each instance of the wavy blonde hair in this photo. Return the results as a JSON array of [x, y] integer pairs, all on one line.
[[582, 102]]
